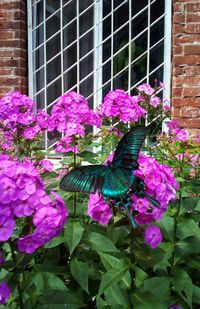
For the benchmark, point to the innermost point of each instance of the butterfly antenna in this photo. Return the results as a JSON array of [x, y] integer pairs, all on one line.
[[151, 199], [131, 219]]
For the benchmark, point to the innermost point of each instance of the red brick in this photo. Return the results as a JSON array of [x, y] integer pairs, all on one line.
[[192, 49], [193, 7], [190, 123], [7, 5], [6, 14], [178, 50], [177, 71], [191, 70], [176, 112], [176, 92], [193, 133], [178, 102], [192, 17], [192, 28], [10, 43], [5, 89], [183, 60], [179, 18], [179, 7], [192, 112], [6, 35], [186, 81], [178, 29], [12, 80], [6, 71], [186, 39], [191, 92]]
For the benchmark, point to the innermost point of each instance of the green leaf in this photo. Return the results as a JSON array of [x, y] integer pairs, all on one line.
[[186, 228], [56, 299], [101, 304], [189, 245], [110, 261], [99, 242], [158, 286], [73, 234], [46, 280], [196, 294], [146, 300], [53, 185], [183, 285], [140, 276], [112, 277], [54, 242], [167, 227], [126, 281], [197, 208], [3, 273], [188, 204], [115, 296], [80, 272]]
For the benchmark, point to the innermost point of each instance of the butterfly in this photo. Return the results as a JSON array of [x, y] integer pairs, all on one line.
[[116, 181]]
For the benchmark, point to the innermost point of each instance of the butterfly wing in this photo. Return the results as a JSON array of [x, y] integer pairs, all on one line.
[[110, 182], [85, 179], [127, 151]]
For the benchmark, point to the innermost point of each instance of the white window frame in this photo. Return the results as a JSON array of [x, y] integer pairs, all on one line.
[[98, 59]]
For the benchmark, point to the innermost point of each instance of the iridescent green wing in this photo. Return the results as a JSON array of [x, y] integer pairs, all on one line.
[[117, 182], [85, 179], [97, 178], [127, 151]]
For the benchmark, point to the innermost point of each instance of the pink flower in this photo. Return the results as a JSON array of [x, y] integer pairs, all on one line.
[[4, 292], [47, 165], [154, 101], [98, 210], [181, 135], [153, 236], [146, 89]]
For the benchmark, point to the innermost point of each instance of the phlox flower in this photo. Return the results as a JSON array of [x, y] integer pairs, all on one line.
[[48, 221], [119, 104], [98, 209], [146, 89], [181, 135], [4, 292], [153, 236], [155, 101]]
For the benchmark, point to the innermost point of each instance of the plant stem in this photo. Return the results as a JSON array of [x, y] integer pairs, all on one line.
[[74, 204], [174, 232], [21, 304]]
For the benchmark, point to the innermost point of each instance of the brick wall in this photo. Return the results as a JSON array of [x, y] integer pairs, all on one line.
[[13, 46], [186, 64]]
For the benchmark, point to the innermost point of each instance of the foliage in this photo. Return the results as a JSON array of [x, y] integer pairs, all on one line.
[[86, 264]]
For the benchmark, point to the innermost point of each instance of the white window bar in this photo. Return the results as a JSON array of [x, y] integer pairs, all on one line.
[[89, 55]]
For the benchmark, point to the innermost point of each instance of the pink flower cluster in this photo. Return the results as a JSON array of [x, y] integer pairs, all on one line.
[[18, 119], [98, 210], [70, 115], [22, 194], [119, 104], [180, 134], [160, 184], [149, 92]]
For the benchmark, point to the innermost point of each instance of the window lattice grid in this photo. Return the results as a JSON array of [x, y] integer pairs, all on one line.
[[93, 46]]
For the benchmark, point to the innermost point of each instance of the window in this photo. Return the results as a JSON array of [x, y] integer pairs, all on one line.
[[93, 46]]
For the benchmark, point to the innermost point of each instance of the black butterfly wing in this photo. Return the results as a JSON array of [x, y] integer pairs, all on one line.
[[85, 179], [127, 151], [110, 182]]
